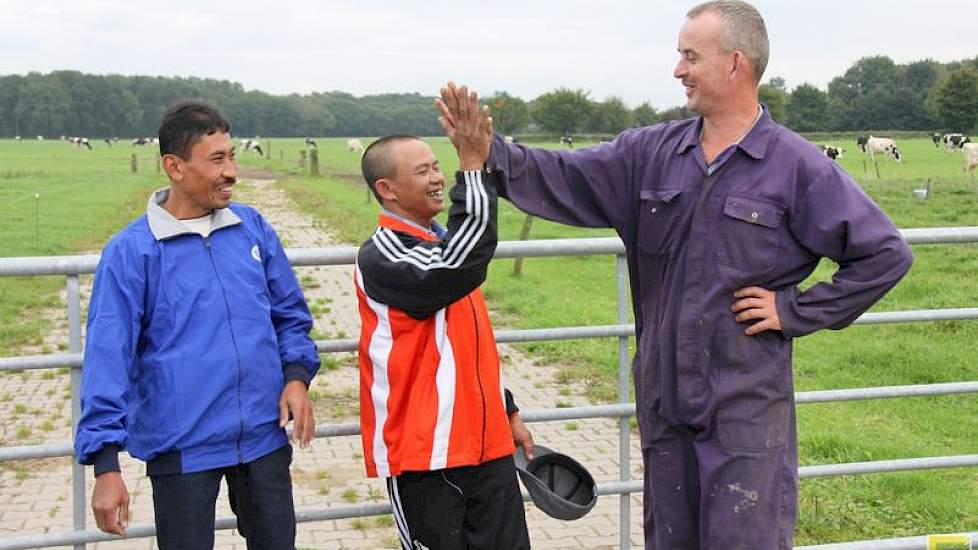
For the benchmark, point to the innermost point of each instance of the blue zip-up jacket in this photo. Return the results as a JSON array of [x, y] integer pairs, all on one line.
[[190, 341]]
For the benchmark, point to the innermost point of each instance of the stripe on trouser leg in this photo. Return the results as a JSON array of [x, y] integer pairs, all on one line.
[[402, 529]]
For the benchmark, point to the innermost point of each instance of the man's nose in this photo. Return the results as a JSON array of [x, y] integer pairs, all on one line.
[[230, 170]]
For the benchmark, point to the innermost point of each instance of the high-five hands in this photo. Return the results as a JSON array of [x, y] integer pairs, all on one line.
[[468, 127]]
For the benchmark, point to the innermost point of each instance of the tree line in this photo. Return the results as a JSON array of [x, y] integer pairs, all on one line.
[[874, 93]]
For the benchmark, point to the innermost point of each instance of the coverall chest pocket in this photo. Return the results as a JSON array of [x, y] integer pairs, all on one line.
[[659, 220], [750, 236]]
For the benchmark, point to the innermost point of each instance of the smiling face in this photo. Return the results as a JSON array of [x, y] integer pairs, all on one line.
[[416, 191], [704, 68], [202, 182]]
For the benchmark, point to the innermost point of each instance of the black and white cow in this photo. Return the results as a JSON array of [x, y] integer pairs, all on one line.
[[861, 142], [140, 142], [882, 146], [832, 151], [248, 144], [79, 142], [311, 143], [955, 141], [936, 138], [567, 140]]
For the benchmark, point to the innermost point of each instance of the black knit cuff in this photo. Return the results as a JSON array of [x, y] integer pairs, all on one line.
[[295, 371], [107, 460]]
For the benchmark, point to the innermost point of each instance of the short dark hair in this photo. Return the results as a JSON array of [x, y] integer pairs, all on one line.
[[185, 123], [377, 161]]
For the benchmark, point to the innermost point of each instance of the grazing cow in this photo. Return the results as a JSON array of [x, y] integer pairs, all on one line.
[[955, 141], [141, 142], [40, 138], [80, 142], [970, 151], [354, 144], [861, 142], [509, 139], [936, 138], [882, 146], [311, 143], [107, 141], [832, 151], [16, 138], [567, 140], [248, 144]]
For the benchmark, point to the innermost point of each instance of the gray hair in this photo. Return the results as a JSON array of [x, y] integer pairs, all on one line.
[[743, 29]]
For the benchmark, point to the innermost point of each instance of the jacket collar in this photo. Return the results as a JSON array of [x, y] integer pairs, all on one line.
[[165, 226], [755, 143], [395, 222]]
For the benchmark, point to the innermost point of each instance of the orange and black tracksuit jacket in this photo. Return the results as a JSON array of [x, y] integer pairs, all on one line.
[[431, 394]]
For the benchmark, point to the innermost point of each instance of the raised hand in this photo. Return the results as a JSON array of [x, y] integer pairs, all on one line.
[[468, 127]]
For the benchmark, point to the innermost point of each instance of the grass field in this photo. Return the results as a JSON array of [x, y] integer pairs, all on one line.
[[59, 200], [86, 196]]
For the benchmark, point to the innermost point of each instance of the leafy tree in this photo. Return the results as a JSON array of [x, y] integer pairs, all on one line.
[[676, 113], [610, 117], [644, 115], [776, 100], [957, 101], [562, 111], [42, 106], [509, 113], [808, 109]]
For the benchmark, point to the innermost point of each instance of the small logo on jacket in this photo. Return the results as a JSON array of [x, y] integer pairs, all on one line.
[[255, 253]]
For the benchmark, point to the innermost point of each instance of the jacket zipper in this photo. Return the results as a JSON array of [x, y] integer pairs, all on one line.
[[478, 376], [234, 344]]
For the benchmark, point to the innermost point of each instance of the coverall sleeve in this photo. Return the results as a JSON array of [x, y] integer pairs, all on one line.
[[588, 187], [430, 275], [114, 323], [837, 220], [290, 312]]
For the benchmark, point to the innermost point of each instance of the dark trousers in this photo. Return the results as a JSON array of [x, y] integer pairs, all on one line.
[[464, 508], [261, 497]]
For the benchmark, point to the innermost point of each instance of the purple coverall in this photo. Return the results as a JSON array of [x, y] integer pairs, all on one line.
[[715, 407]]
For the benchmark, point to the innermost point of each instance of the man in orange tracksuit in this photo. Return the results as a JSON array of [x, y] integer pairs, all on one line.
[[435, 419]]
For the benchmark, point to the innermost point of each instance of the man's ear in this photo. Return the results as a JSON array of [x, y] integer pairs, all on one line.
[[173, 166], [385, 188]]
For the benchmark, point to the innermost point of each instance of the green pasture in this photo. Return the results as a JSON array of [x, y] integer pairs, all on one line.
[[60, 200], [86, 196]]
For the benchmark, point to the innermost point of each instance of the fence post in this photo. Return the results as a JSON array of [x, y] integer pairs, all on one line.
[[524, 235], [302, 158], [79, 503], [624, 423], [134, 163], [876, 163], [314, 162]]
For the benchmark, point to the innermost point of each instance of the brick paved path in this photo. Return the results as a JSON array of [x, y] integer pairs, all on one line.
[[35, 496]]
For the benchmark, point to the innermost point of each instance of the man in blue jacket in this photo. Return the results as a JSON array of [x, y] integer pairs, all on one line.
[[197, 353]]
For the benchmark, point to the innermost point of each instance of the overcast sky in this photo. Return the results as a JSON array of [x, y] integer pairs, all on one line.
[[625, 48]]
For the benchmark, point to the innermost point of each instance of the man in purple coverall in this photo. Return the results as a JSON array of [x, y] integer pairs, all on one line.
[[722, 217]]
